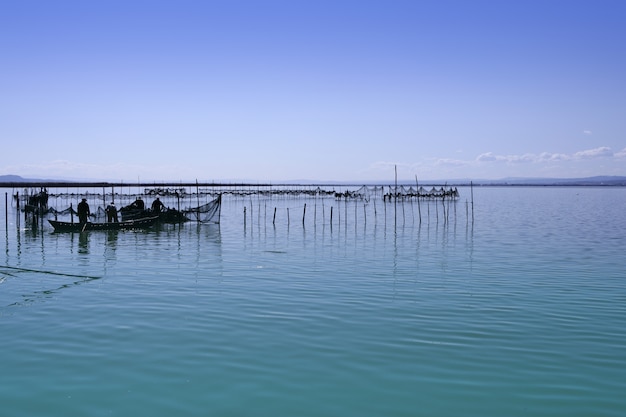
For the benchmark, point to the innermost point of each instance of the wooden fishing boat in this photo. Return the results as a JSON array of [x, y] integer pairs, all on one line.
[[167, 215], [142, 223]]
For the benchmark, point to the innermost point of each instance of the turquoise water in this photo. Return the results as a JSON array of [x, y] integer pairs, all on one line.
[[520, 311]]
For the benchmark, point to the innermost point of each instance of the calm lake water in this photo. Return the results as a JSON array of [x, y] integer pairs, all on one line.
[[520, 311]]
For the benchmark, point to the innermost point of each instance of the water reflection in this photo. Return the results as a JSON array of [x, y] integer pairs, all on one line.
[[111, 239], [83, 242]]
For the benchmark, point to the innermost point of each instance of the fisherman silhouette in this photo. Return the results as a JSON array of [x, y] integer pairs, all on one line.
[[83, 211], [111, 211]]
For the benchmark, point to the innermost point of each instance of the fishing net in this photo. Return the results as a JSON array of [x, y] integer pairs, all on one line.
[[206, 213]]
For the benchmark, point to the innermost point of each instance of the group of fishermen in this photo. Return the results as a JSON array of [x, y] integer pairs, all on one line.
[[111, 211]]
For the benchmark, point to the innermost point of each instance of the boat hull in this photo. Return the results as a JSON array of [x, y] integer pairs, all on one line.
[[166, 216], [143, 223]]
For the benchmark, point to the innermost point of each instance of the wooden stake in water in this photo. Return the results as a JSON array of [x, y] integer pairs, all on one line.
[[443, 204], [198, 201], [395, 200], [472, 193], [419, 209], [385, 208]]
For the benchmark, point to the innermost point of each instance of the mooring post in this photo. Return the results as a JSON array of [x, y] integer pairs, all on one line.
[[395, 200], [274, 219], [244, 217], [303, 214], [385, 207], [6, 211], [417, 192], [331, 215], [198, 198], [443, 206], [472, 193]]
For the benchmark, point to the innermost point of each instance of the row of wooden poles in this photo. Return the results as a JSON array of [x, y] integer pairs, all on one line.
[[445, 209]]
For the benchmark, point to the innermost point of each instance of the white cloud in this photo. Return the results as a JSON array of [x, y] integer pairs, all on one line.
[[525, 158], [491, 157], [489, 164], [601, 152], [451, 162], [553, 157], [487, 157], [587, 132]]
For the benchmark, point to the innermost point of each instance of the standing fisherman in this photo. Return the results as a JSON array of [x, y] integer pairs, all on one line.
[[157, 206], [111, 211], [83, 211]]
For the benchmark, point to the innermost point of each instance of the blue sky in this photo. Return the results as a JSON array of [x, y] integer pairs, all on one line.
[[312, 90]]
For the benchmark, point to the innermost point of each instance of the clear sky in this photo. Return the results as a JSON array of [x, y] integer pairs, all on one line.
[[312, 90]]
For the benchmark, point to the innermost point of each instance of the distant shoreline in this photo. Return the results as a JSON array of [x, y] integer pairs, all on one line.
[[580, 182]]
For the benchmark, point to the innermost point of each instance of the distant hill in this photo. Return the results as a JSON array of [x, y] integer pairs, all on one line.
[[11, 178], [595, 181]]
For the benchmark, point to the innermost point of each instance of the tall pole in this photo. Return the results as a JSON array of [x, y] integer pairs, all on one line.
[[472, 193], [395, 200], [419, 209], [198, 201]]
